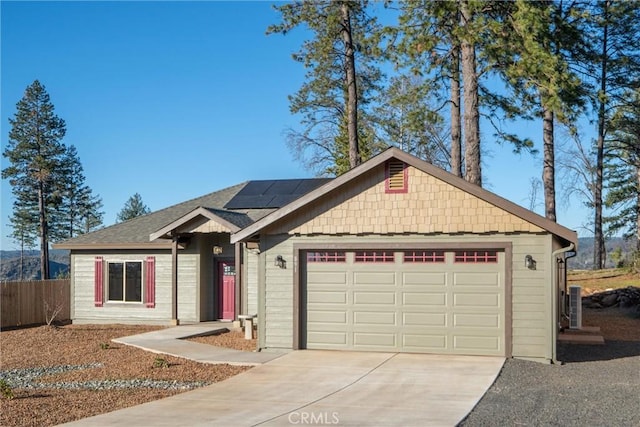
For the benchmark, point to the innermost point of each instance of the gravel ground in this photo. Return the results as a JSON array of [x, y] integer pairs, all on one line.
[[75, 371], [596, 385], [67, 373]]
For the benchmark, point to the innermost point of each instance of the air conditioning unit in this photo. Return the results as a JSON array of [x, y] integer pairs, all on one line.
[[575, 307]]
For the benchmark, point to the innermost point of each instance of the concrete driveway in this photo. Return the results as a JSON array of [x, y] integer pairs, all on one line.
[[327, 388]]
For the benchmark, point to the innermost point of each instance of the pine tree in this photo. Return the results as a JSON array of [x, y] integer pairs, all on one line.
[[339, 81], [404, 118], [428, 44], [34, 152], [78, 202], [456, 45], [91, 213], [23, 223], [623, 169], [615, 66], [133, 208], [534, 59]]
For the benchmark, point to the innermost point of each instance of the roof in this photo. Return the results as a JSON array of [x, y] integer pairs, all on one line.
[[273, 193], [393, 152], [147, 231]]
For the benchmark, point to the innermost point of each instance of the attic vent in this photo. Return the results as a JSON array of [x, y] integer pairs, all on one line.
[[396, 177]]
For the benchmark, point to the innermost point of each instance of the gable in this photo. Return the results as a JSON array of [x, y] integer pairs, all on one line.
[[429, 205]]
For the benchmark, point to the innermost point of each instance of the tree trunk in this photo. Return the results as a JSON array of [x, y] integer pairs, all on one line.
[[638, 209], [598, 235], [352, 93], [548, 167], [44, 240], [473, 171], [21, 260], [456, 127]]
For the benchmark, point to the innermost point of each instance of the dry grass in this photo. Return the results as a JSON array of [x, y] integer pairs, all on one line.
[[600, 280], [83, 344]]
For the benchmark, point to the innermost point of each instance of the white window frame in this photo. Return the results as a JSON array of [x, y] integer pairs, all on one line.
[[124, 282]]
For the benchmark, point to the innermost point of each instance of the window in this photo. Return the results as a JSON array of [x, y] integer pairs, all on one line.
[[374, 256], [326, 256], [423, 256], [476, 257], [125, 281], [396, 177]]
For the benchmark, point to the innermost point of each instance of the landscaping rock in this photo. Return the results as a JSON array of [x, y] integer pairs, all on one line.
[[610, 300], [628, 298]]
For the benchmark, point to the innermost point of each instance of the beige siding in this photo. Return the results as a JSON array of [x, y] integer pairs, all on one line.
[[84, 310], [252, 281], [83, 297], [531, 289], [188, 286], [429, 206], [278, 311], [531, 304]]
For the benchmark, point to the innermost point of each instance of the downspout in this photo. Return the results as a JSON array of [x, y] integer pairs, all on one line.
[[554, 302]]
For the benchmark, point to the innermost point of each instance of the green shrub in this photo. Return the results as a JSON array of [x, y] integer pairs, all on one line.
[[160, 362], [5, 390]]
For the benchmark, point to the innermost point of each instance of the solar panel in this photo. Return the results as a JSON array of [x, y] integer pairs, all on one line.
[[273, 193]]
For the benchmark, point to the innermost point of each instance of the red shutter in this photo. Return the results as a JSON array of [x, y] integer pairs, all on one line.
[[98, 282], [150, 282]]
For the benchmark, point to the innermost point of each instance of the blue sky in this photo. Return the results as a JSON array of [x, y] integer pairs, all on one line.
[[174, 100]]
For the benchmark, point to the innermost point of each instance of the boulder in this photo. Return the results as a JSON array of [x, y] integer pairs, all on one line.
[[610, 300]]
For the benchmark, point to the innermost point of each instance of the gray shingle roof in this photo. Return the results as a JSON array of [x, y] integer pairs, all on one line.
[[136, 232]]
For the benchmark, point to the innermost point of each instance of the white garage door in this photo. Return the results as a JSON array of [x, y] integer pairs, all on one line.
[[424, 301]]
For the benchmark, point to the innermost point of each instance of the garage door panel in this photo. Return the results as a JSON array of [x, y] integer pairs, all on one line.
[[327, 297], [425, 342], [476, 300], [318, 279], [415, 299], [319, 339], [424, 279], [362, 297], [476, 343], [476, 320], [374, 318], [319, 316], [476, 279], [436, 307], [385, 340], [424, 319], [374, 278]]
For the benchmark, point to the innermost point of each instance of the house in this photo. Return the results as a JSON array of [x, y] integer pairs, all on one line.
[[394, 255]]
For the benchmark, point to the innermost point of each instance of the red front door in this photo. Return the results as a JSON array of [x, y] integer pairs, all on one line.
[[227, 288]]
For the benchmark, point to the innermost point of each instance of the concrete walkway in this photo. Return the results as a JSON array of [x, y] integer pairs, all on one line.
[[319, 387], [169, 341]]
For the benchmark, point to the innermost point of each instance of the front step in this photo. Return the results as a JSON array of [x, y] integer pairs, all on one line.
[[585, 330]]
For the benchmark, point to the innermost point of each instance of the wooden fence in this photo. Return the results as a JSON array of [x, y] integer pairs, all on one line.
[[34, 302]]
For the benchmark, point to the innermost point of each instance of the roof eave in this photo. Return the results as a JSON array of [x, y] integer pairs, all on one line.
[[165, 231], [393, 152], [110, 246]]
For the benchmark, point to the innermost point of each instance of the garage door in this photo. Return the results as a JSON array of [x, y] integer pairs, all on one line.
[[425, 301]]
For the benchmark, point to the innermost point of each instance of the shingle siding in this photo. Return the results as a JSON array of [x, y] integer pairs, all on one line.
[[429, 206]]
